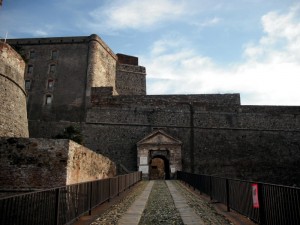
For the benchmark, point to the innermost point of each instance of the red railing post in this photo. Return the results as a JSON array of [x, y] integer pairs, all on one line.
[[262, 216]]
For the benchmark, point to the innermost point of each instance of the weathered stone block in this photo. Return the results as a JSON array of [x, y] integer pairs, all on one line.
[[44, 163]]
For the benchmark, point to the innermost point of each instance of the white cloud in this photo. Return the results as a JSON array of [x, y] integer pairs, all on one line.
[[40, 33], [207, 23], [270, 73], [137, 14]]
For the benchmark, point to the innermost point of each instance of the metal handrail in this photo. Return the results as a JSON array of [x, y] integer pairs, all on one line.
[[62, 205], [275, 204]]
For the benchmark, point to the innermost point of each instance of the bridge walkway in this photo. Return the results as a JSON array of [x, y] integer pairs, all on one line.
[[164, 202]]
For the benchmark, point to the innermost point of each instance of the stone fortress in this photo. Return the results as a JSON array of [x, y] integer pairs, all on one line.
[[80, 82]]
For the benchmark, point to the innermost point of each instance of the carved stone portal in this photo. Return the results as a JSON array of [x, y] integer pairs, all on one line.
[[159, 155]]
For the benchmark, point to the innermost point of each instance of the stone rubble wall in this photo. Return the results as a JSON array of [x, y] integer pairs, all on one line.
[[30, 163], [85, 165], [13, 114]]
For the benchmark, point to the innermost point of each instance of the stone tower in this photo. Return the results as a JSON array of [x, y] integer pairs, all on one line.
[[13, 114]]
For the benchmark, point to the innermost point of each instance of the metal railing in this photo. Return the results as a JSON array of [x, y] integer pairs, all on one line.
[[58, 206], [276, 204]]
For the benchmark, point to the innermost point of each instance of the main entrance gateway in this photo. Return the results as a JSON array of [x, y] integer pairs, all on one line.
[[159, 155]]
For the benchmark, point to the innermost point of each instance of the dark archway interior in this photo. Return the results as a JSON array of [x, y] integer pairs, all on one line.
[[159, 168]]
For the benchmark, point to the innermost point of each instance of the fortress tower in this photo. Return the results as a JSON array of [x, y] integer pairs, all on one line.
[[13, 114], [61, 73]]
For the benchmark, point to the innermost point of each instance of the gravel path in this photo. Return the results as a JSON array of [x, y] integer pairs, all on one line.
[[160, 208], [204, 209], [114, 213]]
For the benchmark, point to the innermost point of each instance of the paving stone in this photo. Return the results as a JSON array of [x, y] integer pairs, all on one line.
[[134, 213]]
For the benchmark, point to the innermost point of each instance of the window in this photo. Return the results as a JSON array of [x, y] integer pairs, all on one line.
[[48, 100], [54, 54], [31, 54], [50, 84], [52, 68], [27, 84], [30, 69]]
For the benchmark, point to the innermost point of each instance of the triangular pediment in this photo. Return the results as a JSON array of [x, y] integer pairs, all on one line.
[[159, 137]]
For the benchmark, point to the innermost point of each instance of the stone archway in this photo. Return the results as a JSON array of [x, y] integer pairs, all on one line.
[[159, 155], [159, 168]]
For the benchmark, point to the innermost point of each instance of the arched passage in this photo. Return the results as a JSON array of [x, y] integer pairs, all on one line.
[[159, 168], [158, 151]]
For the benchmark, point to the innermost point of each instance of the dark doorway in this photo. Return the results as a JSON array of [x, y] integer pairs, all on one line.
[[159, 168]]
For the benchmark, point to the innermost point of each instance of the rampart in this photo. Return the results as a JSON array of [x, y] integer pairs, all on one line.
[[219, 135]]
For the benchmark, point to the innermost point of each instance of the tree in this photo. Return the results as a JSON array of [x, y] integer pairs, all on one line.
[[71, 133]]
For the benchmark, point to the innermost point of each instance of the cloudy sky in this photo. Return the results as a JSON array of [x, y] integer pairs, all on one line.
[[251, 47]]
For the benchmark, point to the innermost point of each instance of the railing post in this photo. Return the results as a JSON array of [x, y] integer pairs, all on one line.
[[227, 195], [90, 198], [262, 216], [57, 197], [200, 183], [119, 185], [210, 187], [109, 185]]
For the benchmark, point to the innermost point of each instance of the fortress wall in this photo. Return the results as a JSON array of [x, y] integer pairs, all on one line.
[[68, 89], [147, 116], [44, 163], [48, 129], [223, 138], [115, 141], [118, 142], [225, 135], [208, 111], [13, 114], [161, 100], [130, 79], [267, 156], [256, 121]]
